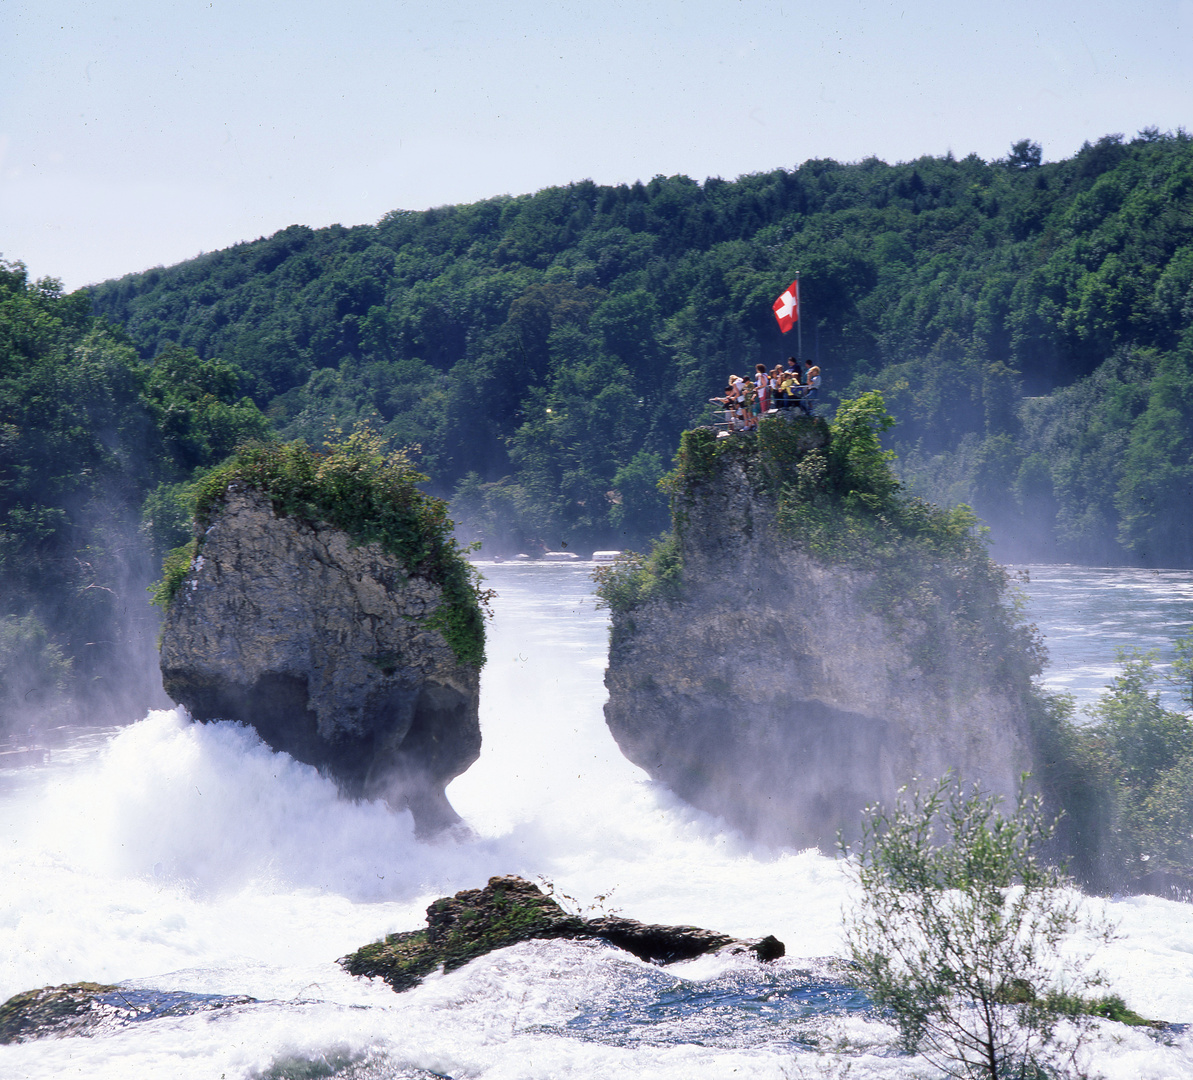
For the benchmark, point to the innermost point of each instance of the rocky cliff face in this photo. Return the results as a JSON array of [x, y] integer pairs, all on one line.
[[784, 693], [329, 650]]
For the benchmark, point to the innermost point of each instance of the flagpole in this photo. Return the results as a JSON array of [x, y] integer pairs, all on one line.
[[799, 323]]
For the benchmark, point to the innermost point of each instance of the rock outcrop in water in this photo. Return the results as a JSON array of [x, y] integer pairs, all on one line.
[[331, 649], [86, 1008], [509, 910], [785, 690]]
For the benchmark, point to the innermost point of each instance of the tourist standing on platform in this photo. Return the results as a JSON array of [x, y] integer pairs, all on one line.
[[813, 390], [762, 388]]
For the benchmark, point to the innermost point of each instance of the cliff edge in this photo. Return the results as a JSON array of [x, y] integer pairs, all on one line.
[[809, 640], [337, 651]]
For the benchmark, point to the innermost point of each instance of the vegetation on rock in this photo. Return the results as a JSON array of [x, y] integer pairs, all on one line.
[[52, 1009], [86, 1008], [837, 497], [509, 910], [1123, 781], [934, 578], [463, 927], [1125, 778], [962, 933], [369, 493], [633, 579]]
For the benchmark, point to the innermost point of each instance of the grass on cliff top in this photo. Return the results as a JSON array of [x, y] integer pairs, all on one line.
[[370, 493], [844, 503], [834, 486], [933, 578], [634, 579], [835, 494], [837, 498]]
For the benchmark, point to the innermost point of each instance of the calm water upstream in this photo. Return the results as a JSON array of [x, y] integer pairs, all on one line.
[[185, 861], [1087, 614]]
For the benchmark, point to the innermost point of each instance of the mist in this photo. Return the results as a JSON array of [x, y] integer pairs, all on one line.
[[86, 651], [191, 858]]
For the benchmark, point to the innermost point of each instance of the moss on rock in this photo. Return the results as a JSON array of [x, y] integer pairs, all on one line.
[[56, 1009], [370, 494], [510, 910]]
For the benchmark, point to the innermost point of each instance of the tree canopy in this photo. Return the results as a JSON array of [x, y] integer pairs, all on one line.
[[90, 436], [1028, 322]]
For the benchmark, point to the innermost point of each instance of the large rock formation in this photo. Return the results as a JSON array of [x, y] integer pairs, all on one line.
[[509, 910], [786, 693], [329, 649]]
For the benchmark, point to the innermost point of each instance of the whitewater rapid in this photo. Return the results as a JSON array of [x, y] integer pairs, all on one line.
[[172, 856]]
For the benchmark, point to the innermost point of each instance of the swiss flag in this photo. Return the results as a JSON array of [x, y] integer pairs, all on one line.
[[786, 308]]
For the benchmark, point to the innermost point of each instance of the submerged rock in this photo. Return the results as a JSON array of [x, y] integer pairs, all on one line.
[[58, 1010], [330, 649], [786, 691], [509, 910], [86, 1008]]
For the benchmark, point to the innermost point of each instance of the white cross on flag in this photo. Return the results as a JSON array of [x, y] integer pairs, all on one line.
[[786, 308]]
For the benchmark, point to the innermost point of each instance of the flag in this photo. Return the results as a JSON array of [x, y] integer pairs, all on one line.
[[786, 308]]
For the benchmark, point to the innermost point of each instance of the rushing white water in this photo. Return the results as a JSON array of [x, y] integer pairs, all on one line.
[[176, 857]]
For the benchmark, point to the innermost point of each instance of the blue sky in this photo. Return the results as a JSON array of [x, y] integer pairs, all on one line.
[[135, 134]]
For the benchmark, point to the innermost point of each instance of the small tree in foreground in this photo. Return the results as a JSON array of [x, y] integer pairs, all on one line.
[[960, 927]]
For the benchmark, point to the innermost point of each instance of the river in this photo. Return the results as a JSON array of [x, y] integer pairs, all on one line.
[[189, 864]]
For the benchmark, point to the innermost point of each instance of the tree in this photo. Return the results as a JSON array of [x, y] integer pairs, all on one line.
[[1143, 738], [960, 927], [641, 506], [1153, 497], [1025, 154], [1144, 754], [33, 671], [1182, 667], [856, 456]]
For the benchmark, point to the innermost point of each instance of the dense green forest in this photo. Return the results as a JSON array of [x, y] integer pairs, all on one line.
[[1029, 324], [92, 442]]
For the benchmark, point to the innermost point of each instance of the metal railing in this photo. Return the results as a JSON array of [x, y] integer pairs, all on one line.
[[739, 418]]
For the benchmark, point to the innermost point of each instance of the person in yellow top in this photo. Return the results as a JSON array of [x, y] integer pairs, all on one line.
[[789, 389]]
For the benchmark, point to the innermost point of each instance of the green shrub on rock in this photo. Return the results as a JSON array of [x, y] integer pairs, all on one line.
[[1141, 754], [836, 497], [963, 932], [372, 495], [634, 579]]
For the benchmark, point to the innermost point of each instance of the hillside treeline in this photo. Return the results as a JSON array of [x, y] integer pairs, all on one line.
[[93, 440], [1029, 324]]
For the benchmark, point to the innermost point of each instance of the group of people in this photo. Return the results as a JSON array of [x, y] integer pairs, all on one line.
[[746, 401]]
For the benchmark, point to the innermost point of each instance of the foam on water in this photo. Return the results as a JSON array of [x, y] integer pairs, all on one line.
[[190, 857]]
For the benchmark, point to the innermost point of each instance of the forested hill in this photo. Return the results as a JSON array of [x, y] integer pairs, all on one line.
[[1030, 324], [94, 442]]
